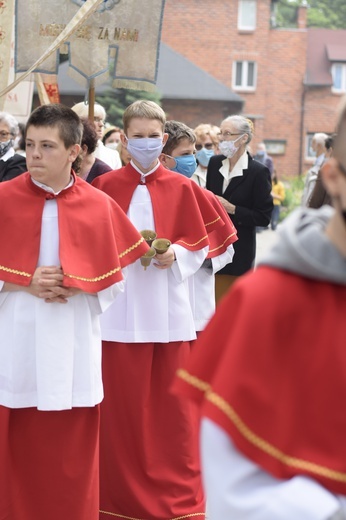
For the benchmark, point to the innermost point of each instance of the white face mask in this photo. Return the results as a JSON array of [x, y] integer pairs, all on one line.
[[112, 146], [5, 146], [228, 148], [145, 150]]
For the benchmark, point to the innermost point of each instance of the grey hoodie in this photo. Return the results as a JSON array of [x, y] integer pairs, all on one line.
[[303, 248]]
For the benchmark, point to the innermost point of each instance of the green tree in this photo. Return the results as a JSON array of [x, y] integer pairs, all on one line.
[[286, 13], [116, 100], [330, 14]]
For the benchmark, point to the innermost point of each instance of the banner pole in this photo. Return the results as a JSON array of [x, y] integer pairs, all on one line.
[[91, 98]]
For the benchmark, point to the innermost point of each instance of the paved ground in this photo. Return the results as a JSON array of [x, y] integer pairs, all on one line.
[[264, 240]]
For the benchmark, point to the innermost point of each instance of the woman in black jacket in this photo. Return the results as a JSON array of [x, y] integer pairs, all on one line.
[[243, 186]]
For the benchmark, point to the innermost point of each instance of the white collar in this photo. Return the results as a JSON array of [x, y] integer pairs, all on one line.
[[143, 175], [201, 173], [49, 189], [237, 171]]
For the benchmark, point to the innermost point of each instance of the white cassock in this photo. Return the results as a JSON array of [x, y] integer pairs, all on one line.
[[155, 305], [202, 288], [50, 353]]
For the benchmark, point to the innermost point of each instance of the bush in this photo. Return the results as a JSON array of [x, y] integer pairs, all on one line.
[[293, 194]]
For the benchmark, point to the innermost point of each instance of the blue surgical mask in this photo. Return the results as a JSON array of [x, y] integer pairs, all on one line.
[[185, 164], [145, 150], [203, 156]]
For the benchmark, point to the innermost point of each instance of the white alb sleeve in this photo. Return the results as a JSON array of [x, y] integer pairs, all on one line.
[[237, 488]]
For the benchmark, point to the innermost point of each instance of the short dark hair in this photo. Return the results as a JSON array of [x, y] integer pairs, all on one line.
[[176, 132], [89, 137], [56, 115]]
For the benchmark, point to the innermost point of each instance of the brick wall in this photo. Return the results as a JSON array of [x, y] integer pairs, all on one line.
[[192, 113], [206, 33], [320, 115]]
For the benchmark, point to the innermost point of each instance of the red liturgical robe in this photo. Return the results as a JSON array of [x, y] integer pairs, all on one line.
[[278, 390], [185, 221], [91, 256]]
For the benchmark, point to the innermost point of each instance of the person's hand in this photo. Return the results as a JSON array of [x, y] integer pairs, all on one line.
[[230, 208], [59, 294], [47, 283], [165, 260]]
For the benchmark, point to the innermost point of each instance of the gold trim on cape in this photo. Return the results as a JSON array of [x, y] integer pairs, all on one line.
[[213, 221], [14, 271], [253, 438], [131, 248], [191, 515], [223, 243], [110, 273], [195, 244], [96, 279]]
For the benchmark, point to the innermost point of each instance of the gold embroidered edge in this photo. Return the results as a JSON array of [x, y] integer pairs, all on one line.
[[133, 518], [223, 243], [113, 271], [268, 448], [254, 439], [129, 249], [213, 221], [195, 244], [193, 380], [14, 271], [96, 279]]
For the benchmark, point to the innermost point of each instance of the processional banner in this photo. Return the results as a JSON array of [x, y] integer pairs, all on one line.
[[6, 22], [88, 7], [118, 41]]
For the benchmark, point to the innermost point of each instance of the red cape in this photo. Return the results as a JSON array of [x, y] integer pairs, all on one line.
[[270, 369], [96, 239], [223, 236], [182, 213]]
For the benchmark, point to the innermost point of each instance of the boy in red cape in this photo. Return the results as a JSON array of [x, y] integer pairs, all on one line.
[[178, 155], [269, 373], [63, 247], [148, 443]]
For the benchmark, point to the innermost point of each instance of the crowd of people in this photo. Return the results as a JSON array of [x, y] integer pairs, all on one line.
[[116, 274]]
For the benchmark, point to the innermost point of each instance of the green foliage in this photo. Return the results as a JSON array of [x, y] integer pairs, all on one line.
[[293, 194], [116, 100], [330, 14], [286, 13]]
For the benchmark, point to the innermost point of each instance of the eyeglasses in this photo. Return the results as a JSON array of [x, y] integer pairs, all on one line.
[[225, 135], [4, 135], [208, 146], [99, 120]]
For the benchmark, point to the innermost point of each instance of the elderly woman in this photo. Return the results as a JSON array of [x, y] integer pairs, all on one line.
[[243, 187], [103, 153], [11, 163]]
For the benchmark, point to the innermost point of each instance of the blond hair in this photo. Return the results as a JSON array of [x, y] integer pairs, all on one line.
[[205, 129], [143, 109]]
